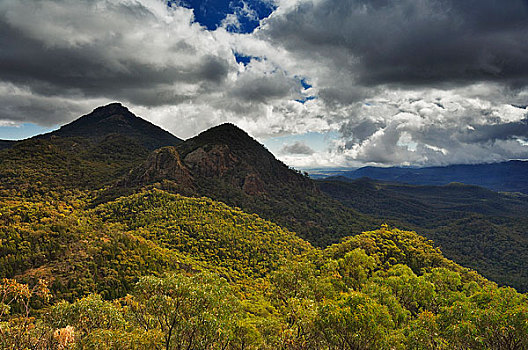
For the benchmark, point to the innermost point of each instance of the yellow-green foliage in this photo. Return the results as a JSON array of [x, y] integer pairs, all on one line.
[[106, 249], [242, 244], [74, 250], [40, 165], [161, 271]]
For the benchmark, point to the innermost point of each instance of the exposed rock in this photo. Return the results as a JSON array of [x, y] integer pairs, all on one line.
[[215, 162], [162, 164]]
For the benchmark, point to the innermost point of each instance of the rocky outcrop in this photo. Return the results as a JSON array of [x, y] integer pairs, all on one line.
[[162, 164], [220, 160], [215, 162]]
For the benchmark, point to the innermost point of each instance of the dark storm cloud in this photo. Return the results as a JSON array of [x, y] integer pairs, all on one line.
[[89, 71], [493, 132], [411, 41], [22, 108], [360, 131], [141, 53], [250, 87], [297, 148]]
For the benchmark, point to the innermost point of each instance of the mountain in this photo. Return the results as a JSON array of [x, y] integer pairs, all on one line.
[[226, 156], [115, 119], [474, 226], [226, 152], [511, 176], [87, 153], [226, 164], [111, 148]]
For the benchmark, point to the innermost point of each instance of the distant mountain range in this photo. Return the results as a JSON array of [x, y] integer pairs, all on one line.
[[511, 176]]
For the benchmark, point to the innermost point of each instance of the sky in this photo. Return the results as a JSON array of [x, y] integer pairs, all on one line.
[[322, 83]]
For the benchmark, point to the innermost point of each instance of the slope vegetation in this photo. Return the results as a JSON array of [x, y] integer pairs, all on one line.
[[479, 228], [383, 289], [226, 164], [106, 249], [88, 153]]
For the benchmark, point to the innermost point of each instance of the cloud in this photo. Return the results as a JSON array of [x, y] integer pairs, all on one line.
[[403, 82], [298, 147], [409, 41], [71, 55], [434, 127], [261, 81], [19, 105], [133, 51], [412, 82]]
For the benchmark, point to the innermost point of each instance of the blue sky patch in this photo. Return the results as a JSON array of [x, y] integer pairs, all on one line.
[[211, 13], [240, 58], [305, 84], [304, 99], [23, 131]]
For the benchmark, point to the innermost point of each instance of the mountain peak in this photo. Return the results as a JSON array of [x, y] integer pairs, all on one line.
[[228, 153], [116, 119], [228, 127], [105, 117], [111, 108], [228, 134]]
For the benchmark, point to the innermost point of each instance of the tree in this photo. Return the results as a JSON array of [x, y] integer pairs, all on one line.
[[17, 327], [354, 322], [191, 312]]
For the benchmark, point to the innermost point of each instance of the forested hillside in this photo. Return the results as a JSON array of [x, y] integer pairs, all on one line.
[[226, 164], [157, 270], [478, 228], [211, 243], [383, 289], [88, 153]]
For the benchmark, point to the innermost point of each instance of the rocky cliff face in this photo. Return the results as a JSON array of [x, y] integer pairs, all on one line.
[[162, 164], [230, 155], [221, 163], [215, 162]]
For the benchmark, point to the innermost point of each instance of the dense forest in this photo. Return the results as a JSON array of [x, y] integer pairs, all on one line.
[[476, 227], [158, 270], [108, 242]]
